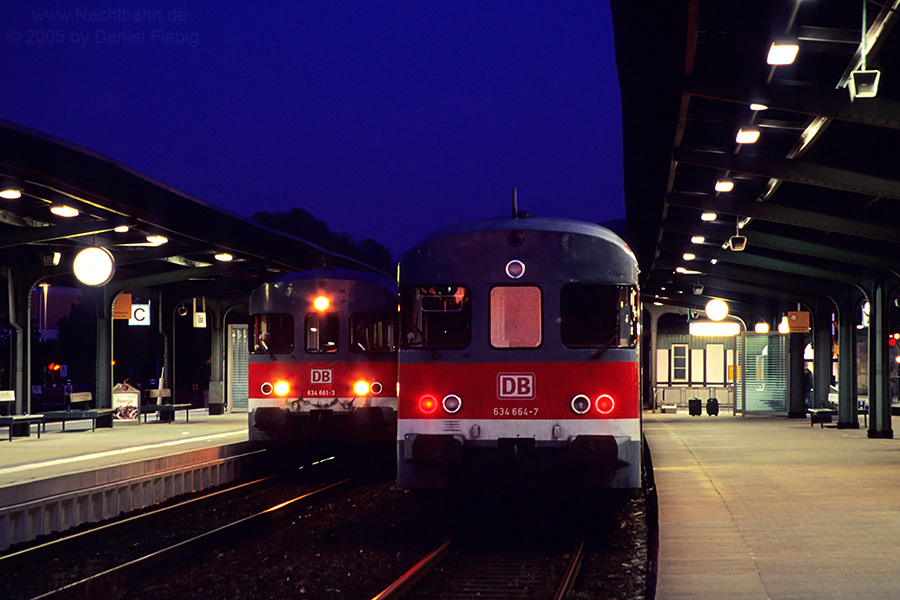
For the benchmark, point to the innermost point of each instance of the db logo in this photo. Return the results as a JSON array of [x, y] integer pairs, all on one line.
[[320, 376], [515, 385]]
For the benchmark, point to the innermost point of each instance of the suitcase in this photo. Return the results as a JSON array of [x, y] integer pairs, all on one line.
[[695, 408], [712, 407]]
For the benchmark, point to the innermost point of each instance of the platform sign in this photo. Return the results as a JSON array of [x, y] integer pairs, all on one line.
[[122, 307], [140, 315], [798, 321]]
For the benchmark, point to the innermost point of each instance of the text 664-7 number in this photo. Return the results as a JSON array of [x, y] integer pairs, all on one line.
[[515, 411]]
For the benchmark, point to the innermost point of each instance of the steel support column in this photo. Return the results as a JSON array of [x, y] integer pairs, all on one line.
[[796, 401], [823, 353], [879, 373], [847, 385], [103, 379]]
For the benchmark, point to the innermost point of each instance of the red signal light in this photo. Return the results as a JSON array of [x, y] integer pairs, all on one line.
[[427, 404]]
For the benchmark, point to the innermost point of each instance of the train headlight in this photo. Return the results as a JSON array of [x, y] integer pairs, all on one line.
[[282, 388], [266, 388], [427, 404], [605, 404], [321, 302], [452, 403], [361, 388], [580, 404]]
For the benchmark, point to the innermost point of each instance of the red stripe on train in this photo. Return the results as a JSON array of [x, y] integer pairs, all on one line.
[[519, 390]]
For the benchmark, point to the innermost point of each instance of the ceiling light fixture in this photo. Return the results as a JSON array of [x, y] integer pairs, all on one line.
[[708, 216], [782, 53], [157, 240], [747, 136], [697, 239], [10, 193], [724, 185], [63, 210], [224, 257], [688, 256], [121, 229], [758, 107]]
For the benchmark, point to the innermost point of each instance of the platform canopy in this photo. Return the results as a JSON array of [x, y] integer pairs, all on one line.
[[165, 236], [813, 203]]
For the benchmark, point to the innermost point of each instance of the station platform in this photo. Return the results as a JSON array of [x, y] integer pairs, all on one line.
[[59, 452], [68, 477], [772, 508]]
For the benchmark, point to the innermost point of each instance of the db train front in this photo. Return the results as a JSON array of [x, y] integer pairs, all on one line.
[[519, 357], [323, 368]]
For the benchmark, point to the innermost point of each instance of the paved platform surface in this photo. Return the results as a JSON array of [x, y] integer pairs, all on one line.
[[771, 508], [78, 448]]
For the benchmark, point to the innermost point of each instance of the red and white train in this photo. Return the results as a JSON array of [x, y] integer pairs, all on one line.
[[519, 358], [323, 360]]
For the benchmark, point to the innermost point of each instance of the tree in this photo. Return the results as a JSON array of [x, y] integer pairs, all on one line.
[[300, 223]]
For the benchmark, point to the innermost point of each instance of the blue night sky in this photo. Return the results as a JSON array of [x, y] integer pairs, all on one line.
[[386, 120]]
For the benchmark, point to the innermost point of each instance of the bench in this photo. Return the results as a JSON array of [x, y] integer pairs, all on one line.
[[20, 425], [166, 411], [820, 416], [99, 417], [79, 400]]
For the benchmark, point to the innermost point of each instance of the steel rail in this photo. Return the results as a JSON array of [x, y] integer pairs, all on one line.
[[86, 587], [571, 573], [408, 579]]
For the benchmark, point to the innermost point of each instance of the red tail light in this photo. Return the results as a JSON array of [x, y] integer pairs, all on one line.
[[605, 404]]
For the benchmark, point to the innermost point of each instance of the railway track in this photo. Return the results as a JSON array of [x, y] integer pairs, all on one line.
[[468, 572], [106, 557]]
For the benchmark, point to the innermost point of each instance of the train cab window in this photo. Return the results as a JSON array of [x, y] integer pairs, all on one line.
[[321, 333], [435, 317], [598, 315], [271, 334], [516, 317], [372, 332]]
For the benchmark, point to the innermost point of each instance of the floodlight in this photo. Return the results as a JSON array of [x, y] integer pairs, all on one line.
[[864, 84]]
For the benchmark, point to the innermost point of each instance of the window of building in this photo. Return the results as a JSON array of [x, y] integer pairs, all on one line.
[[679, 362]]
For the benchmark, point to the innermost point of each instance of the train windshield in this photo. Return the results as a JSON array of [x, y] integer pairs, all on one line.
[[271, 334], [516, 317], [598, 315], [321, 333], [372, 332], [435, 316]]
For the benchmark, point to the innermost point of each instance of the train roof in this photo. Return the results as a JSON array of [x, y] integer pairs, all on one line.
[[529, 224], [345, 274]]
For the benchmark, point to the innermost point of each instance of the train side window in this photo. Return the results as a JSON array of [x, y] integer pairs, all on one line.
[[435, 317], [321, 333], [598, 315], [372, 332], [516, 317], [271, 334]]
